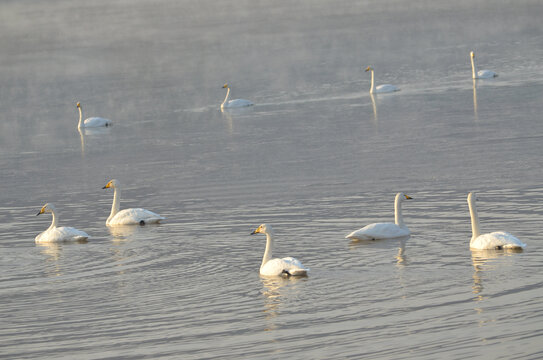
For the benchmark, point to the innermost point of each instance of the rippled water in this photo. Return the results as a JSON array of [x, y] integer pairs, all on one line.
[[317, 157]]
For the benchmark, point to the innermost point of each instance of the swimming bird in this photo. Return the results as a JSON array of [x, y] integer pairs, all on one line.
[[236, 103], [378, 231], [58, 234], [92, 121], [481, 74], [385, 88], [136, 216], [277, 267], [497, 240]]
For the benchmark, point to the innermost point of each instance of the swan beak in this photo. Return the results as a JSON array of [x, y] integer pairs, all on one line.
[[42, 210], [108, 185], [78, 105], [257, 231], [407, 197], [38, 213], [225, 86], [368, 68]]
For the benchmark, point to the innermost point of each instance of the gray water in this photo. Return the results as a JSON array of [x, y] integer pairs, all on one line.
[[316, 156]]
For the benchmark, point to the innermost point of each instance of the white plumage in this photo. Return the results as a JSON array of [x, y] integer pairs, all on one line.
[[481, 74], [493, 241], [135, 216], [378, 231], [235, 103], [385, 88], [277, 267], [58, 234], [92, 121]]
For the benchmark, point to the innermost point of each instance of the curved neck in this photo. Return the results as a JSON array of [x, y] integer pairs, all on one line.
[[226, 97], [473, 68], [269, 247], [80, 117], [54, 222], [372, 88], [116, 203], [474, 219], [398, 218]]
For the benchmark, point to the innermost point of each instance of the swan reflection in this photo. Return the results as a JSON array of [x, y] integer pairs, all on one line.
[[275, 289]]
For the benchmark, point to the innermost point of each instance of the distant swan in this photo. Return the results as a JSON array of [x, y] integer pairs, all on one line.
[[92, 121], [385, 88], [236, 103], [127, 216], [481, 74], [385, 230], [493, 241], [274, 267], [58, 234]]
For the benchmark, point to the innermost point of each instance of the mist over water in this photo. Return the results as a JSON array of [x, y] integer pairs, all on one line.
[[316, 156]]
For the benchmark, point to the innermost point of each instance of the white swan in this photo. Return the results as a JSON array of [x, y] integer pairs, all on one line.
[[493, 241], [236, 103], [58, 234], [274, 267], [127, 216], [385, 230], [481, 74], [385, 88], [92, 121]]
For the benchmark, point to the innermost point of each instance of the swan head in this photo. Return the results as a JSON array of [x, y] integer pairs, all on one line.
[[78, 105], [225, 86], [472, 197], [47, 208], [369, 68], [113, 183], [402, 197], [263, 229], [472, 54]]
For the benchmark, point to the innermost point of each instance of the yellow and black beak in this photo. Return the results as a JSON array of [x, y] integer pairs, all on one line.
[[407, 197], [257, 231], [42, 210], [225, 86], [108, 185]]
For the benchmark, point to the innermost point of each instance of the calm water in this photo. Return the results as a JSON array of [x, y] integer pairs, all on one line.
[[317, 157]]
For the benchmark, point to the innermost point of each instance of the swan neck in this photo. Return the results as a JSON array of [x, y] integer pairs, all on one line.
[[474, 219], [473, 68], [269, 247], [116, 203], [372, 86], [54, 221], [398, 218], [80, 117], [226, 97]]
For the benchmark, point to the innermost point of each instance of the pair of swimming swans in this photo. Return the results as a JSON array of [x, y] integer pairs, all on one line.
[[492, 241], [136, 216]]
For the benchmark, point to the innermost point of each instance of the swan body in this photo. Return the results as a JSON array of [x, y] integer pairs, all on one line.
[[136, 216], [92, 121], [379, 231], [288, 266], [235, 103], [493, 241], [58, 234], [481, 74], [385, 88]]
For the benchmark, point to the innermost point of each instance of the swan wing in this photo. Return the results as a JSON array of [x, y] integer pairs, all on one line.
[[386, 88], [486, 74], [61, 234], [135, 217], [288, 265], [496, 240], [238, 103], [97, 122], [379, 231]]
